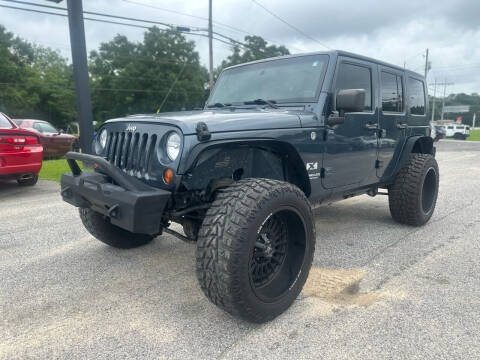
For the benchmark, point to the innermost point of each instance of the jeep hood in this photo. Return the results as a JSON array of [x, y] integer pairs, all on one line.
[[226, 120]]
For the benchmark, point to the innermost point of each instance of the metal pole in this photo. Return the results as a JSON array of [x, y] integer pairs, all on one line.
[[433, 103], [426, 65], [210, 42], [80, 74], [444, 94]]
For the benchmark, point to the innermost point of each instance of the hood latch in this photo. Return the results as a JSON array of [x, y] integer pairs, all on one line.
[[203, 134]]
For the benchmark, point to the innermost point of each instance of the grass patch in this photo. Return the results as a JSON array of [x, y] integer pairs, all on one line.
[[474, 135], [53, 169]]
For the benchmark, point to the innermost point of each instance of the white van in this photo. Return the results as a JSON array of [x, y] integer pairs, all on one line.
[[457, 131]]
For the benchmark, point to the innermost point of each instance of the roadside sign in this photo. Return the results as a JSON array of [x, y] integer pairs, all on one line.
[[456, 109]]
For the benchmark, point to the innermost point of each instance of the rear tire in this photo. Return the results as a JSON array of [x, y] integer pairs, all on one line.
[[255, 248], [413, 195], [28, 182], [101, 228]]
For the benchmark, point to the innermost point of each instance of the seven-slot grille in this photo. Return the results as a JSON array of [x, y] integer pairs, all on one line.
[[131, 152]]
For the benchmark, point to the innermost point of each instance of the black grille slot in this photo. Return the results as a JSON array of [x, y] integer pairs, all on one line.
[[131, 152]]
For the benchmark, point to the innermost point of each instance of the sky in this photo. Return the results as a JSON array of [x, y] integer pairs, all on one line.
[[397, 32]]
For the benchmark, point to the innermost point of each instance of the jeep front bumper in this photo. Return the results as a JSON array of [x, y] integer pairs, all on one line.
[[129, 203]]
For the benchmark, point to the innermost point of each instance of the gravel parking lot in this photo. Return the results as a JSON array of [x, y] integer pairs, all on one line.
[[376, 290]]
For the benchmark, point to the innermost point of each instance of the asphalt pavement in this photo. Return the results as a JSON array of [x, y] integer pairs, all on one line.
[[377, 289]]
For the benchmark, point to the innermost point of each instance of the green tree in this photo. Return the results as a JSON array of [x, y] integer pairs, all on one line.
[[16, 55], [472, 100], [256, 48], [130, 77], [53, 84]]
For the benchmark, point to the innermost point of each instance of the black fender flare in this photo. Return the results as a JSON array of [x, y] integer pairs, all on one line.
[[284, 149], [415, 144]]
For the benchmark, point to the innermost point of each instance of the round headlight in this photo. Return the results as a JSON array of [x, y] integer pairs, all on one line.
[[103, 139], [173, 145]]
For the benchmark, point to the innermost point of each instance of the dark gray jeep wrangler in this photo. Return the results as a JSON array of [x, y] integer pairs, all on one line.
[[276, 138]]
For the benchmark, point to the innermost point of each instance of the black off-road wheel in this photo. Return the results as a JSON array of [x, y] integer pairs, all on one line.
[[413, 195], [28, 181], [255, 248], [101, 228]]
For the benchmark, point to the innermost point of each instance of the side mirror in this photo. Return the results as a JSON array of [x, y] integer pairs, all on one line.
[[60, 131], [347, 100], [350, 100]]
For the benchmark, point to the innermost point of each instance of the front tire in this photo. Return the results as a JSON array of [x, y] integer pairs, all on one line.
[[413, 195], [101, 228], [255, 248]]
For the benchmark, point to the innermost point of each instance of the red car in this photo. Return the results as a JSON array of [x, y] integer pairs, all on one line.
[[54, 142], [21, 153]]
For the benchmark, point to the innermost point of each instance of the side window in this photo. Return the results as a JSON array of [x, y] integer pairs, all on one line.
[[416, 97], [355, 77], [38, 126], [392, 92]]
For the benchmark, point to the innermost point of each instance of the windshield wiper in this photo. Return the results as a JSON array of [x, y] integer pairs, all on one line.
[[271, 103], [218, 105]]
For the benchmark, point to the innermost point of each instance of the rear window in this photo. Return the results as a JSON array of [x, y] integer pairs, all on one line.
[[4, 123], [416, 97]]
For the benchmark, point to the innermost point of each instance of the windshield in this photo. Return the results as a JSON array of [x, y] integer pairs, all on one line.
[[296, 79]]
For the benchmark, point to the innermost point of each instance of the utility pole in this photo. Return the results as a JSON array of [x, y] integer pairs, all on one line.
[[210, 40], [426, 64], [80, 74], [433, 103], [445, 84]]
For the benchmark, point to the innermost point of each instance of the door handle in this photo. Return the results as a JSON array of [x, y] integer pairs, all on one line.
[[402, 126], [372, 126]]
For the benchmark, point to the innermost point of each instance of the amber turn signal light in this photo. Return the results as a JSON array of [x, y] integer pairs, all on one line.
[[168, 176]]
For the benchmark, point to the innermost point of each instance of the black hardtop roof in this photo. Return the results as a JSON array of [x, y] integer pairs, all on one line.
[[335, 53]]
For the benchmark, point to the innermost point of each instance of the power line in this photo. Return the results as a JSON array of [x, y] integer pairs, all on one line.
[[291, 26], [95, 13], [108, 22], [179, 28], [218, 23], [186, 29]]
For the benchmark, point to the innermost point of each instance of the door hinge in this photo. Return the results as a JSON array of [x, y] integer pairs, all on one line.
[[378, 164], [322, 172], [325, 134]]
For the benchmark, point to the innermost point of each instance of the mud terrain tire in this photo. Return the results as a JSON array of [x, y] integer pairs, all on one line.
[[101, 228], [255, 248], [413, 195]]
